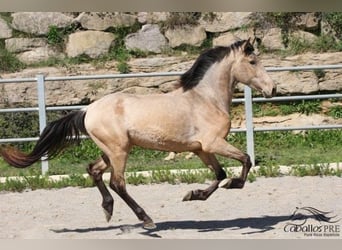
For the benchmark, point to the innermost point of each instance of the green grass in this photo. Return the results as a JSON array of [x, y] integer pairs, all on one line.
[[306, 107], [43, 182], [315, 170], [309, 153], [310, 147], [335, 112], [160, 176]]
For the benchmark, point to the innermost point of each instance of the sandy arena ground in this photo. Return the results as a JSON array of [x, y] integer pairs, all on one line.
[[260, 210]]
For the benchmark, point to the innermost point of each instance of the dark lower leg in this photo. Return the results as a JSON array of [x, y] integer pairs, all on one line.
[[203, 194], [95, 170], [107, 199], [120, 189], [240, 181], [118, 160]]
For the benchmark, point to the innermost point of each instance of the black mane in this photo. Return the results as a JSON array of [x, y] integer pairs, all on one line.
[[207, 58]]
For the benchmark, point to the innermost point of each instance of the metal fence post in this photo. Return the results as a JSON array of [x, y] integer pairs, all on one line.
[[42, 115], [249, 123]]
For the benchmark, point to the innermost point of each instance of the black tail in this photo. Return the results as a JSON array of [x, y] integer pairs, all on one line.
[[55, 137]]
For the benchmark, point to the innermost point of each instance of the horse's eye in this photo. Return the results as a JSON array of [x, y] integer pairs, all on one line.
[[253, 62]]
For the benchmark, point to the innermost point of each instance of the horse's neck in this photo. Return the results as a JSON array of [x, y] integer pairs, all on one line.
[[218, 85]]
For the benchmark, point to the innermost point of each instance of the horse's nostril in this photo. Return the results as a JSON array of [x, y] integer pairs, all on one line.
[[274, 91]]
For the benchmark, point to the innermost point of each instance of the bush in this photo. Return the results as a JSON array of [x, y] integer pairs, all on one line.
[[335, 112], [54, 36], [309, 107], [179, 19], [20, 124], [8, 61], [335, 21]]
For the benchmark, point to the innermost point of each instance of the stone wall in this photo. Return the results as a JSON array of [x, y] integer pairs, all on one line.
[[26, 36]]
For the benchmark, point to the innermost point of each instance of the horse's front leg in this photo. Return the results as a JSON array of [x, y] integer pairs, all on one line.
[[211, 162], [241, 180], [222, 147], [96, 171]]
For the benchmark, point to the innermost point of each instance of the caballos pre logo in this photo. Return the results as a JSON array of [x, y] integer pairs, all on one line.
[[313, 222]]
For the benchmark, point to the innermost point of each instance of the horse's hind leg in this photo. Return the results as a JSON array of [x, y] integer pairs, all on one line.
[[96, 171], [118, 184], [210, 161]]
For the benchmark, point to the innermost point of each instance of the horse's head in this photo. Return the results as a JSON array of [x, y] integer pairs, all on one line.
[[248, 70]]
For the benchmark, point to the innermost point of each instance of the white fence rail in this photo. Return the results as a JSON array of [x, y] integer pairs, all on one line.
[[248, 100]]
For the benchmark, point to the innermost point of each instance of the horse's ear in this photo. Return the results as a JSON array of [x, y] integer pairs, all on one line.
[[247, 47], [254, 40]]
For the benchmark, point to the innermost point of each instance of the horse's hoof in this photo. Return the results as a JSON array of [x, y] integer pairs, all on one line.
[[188, 196], [149, 225], [107, 215], [225, 183]]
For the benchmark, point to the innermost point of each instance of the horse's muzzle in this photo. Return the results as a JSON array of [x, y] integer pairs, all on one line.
[[270, 94], [274, 91]]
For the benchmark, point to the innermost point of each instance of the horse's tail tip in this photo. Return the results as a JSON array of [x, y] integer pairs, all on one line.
[[14, 157]]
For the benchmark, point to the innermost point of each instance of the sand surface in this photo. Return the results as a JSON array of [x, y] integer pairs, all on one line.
[[261, 210]]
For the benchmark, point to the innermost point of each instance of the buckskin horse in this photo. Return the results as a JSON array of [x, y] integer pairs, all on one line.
[[194, 117]]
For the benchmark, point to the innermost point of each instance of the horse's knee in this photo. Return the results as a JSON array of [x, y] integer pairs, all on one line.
[[95, 174]]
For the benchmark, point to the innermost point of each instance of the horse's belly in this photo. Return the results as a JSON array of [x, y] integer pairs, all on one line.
[[160, 141]]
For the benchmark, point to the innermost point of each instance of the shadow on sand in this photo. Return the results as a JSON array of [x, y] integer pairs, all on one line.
[[256, 224]]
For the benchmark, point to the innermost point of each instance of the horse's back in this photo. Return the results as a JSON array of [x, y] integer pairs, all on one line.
[[159, 121]]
